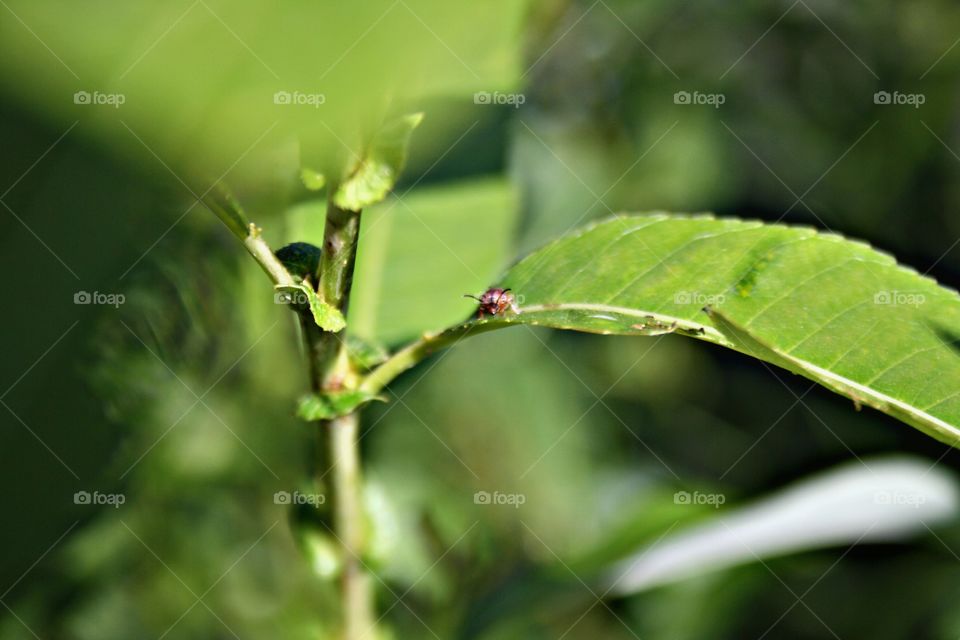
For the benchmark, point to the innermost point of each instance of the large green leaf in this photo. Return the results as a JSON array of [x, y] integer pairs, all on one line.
[[204, 84], [831, 309], [376, 172]]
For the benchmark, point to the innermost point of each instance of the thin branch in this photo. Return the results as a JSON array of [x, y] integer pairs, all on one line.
[[265, 257], [427, 345]]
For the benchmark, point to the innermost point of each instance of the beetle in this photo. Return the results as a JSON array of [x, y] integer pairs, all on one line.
[[495, 301]]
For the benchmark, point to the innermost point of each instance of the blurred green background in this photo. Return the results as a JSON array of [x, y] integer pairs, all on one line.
[[181, 398]]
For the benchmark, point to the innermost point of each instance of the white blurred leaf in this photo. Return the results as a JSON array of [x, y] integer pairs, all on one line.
[[884, 500]]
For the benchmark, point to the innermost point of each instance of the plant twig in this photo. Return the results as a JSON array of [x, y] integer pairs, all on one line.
[[329, 369], [265, 257], [416, 351], [223, 204]]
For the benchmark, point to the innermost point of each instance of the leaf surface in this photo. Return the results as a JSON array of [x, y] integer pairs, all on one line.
[[376, 173], [831, 309]]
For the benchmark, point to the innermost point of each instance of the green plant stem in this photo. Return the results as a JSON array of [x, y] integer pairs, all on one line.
[[331, 370], [314, 345], [339, 255], [265, 257], [222, 203], [350, 523], [339, 453], [416, 351], [337, 261]]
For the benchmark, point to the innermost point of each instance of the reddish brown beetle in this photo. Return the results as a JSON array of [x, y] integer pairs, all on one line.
[[495, 301]]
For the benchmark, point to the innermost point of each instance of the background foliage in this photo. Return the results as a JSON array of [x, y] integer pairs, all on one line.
[[106, 207]]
